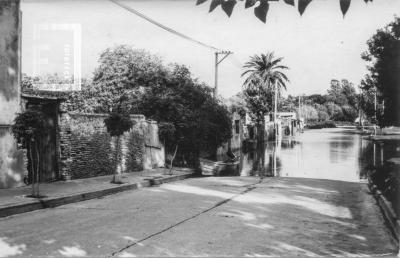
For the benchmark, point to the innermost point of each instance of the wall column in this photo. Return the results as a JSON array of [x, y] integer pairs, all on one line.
[[12, 167]]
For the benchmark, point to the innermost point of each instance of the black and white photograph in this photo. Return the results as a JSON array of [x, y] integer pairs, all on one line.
[[199, 128]]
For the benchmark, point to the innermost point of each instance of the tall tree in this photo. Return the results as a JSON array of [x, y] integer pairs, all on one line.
[[383, 57], [192, 122], [122, 69], [367, 97], [263, 72]]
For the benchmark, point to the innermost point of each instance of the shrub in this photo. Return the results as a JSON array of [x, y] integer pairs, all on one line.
[[118, 123], [28, 129], [320, 125]]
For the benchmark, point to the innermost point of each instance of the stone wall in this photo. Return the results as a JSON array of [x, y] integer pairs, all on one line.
[[87, 150], [12, 168]]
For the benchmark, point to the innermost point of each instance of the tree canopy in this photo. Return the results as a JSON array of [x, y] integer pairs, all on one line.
[[133, 81], [123, 70], [383, 57], [262, 73], [340, 103], [189, 116], [137, 82]]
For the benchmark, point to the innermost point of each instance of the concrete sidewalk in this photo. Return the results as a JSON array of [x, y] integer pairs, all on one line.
[[15, 200]]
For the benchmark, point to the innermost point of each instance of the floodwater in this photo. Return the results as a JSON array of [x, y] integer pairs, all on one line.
[[337, 154]]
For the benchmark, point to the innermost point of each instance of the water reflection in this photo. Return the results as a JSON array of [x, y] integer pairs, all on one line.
[[326, 153]]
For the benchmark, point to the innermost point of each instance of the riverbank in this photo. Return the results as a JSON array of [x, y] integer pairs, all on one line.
[[382, 169], [390, 215], [384, 137], [320, 125]]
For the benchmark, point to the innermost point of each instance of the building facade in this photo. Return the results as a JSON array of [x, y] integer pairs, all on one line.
[[12, 166]]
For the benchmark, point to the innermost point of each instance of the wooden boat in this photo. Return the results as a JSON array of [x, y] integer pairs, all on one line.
[[219, 168]]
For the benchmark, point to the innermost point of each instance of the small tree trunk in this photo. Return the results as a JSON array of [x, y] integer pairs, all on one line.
[[37, 167], [172, 160], [117, 173], [165, 157], [30, 149]]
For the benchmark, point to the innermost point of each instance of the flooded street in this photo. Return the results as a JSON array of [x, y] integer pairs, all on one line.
[[335, 154]]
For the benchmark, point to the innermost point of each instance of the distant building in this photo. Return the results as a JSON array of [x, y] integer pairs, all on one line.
[[238, 132]]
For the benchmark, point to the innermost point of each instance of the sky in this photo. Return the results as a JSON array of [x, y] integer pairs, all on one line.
[[318, 46]]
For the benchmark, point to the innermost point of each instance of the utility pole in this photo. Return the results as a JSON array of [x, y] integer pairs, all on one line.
[[276, 109], [299, 108], [217, 62], [375, 105], [376, 117]]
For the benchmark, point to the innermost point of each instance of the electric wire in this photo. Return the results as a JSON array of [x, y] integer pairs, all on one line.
[[236, 62], [141, 15]]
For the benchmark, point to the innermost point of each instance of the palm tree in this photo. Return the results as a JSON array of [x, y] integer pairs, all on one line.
[[264, 71], [265, 74]]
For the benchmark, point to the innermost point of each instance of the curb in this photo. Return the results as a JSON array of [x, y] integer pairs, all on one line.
[[387, 211], [51, 202]]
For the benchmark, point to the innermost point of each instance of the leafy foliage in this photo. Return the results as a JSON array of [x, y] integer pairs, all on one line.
[[32, 83], [341, 103], [118, 123], [125, 71], [367, 97], [308, 112], [322, 112], [263, 72], [28, 128], [349, 113], [259, 102], [383, 57], [188, 114], [237, 104], [131, 81], [262, 6], [30, 124]]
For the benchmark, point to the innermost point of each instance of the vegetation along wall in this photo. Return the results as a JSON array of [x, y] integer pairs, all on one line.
[[87, 150]]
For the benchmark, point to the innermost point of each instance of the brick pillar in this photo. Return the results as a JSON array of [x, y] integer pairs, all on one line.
[[65, 146]]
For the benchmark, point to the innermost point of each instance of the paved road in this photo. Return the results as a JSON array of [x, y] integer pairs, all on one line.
[[232, 216]]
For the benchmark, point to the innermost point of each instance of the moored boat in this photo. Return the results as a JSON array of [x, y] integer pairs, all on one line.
[[218, 168]]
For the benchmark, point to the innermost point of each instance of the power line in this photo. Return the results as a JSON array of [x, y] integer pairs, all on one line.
[[236, 62], [130, 9]]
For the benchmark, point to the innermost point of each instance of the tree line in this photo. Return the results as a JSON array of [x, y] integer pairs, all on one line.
[[383, 79], [340, 103], [132, 81]]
